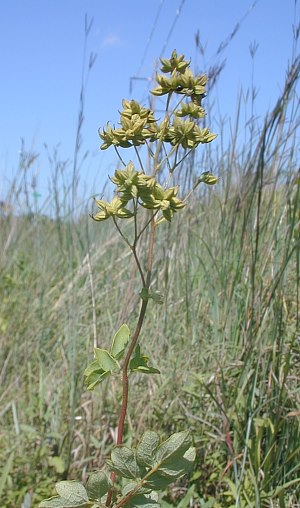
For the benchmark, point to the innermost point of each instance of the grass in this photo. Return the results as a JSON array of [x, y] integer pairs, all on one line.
[[226, 339]]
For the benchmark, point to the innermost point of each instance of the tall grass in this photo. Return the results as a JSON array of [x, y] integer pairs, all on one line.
[[228, 330]]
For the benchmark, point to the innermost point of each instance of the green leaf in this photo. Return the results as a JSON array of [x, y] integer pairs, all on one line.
[[141, 500], [174, 447], [94, 374], [61, 502], [156, 296], [124, 462], [175, 467], [128, 487], [71, 495], [95, 378], [6, 471], [120, 341], [139, 363], [55, 502], [97, 485], [158, 482], [144, 294], [93, 367], [146, 449], [58, 464], [186, 500], [73, 491], [105, 360]]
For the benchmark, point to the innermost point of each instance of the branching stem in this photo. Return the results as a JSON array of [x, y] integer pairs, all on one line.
[[135, 338], [132, 346]]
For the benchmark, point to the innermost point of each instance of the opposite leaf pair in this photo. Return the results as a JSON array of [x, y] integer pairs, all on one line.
[[107, 362]]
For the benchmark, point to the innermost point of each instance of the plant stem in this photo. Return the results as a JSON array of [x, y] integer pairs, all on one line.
[[135, 338], [125, 371], [139, 158], [130, 351], [133, 249], [119, 156]]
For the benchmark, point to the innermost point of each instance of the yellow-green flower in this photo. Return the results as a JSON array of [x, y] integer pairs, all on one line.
[[192, 85], [131, 108], [137, 124], [187, 134], [126, 181], [132, 184], [175, 63], [208, 178], [191, 109], [164, 200], [113, 209]]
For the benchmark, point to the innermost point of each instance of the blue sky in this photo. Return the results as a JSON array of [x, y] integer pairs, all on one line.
[[41, 48]]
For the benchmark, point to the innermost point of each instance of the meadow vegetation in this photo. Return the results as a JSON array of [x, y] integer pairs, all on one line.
[[226, 338]]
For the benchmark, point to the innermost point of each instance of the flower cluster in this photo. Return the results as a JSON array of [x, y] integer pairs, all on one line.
[[183, 83], [164, 200], [114, 209], [138, 125], [191, 109], [175, 63], [187, 134], [132, 184]]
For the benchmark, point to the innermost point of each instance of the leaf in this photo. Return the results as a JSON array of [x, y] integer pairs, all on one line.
[[53, 502], [141, 500], [105, 360], [97, 485], [94, 374], [124, 462], [100, 368], [139, 363], [174, 447], [144, 294], [61, 502], [6, 471], [72, 490], [146, 449], [120, 341], [157, 482], [71, 495], [175, 467], [186, 500], [95, 378], [58, 463], [93, 367], [128, 487], [156, 296], [281, 488]]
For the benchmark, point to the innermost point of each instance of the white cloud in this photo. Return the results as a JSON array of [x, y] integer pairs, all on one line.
[[112, 41]]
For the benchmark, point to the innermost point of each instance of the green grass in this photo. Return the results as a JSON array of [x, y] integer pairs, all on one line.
[[226, 338]]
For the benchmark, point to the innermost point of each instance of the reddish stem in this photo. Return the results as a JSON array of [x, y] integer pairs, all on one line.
[[125, 372], [129, 354]]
